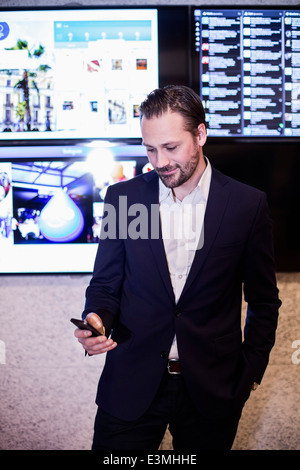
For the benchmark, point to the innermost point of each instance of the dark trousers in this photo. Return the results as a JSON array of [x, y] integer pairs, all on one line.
[[171, 406]]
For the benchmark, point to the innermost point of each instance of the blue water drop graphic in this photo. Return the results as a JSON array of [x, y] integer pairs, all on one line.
[[61, 220]]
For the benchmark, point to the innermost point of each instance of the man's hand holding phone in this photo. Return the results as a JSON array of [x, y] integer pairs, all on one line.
[[91, 334]]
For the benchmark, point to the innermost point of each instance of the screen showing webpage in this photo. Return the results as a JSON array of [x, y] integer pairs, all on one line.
[[249, 71], [76, 73]]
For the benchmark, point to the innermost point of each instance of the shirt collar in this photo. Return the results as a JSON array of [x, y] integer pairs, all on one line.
[[203, 184]]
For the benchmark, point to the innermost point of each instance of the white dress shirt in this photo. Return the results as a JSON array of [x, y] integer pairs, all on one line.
[[182, 224]]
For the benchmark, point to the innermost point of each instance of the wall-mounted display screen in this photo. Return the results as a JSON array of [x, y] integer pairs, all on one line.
[[246, 67], [77, 73], [51, 203]]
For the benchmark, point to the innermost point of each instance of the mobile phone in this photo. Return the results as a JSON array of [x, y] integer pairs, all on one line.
[[83, 325]]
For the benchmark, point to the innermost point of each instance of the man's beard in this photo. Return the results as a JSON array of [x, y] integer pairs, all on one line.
[[179, 177]]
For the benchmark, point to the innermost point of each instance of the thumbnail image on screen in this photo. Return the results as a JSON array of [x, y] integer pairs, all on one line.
[[249, 70]]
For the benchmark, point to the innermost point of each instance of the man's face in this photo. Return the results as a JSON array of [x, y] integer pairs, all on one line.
[[173, 151]]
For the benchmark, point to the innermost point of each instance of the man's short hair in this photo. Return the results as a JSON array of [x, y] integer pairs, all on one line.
[[177, 99]]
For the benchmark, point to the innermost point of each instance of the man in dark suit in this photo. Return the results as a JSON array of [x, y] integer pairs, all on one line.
[[178, 247]]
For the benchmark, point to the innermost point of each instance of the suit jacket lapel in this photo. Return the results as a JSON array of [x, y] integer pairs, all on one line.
[[216, 204]]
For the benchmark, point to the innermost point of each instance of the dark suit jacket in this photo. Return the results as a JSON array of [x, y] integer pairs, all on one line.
[[131, 290]]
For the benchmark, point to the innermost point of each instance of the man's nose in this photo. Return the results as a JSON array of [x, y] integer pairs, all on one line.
[[162, 159]]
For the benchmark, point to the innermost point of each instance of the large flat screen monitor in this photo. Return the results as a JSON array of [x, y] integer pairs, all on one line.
[[246, 68], [81, 73], [51, 203], [76, 73]]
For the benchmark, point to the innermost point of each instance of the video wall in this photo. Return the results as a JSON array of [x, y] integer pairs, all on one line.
[[71, 82]]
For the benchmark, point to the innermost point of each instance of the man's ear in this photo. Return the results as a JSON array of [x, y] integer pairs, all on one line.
[[202, 136]]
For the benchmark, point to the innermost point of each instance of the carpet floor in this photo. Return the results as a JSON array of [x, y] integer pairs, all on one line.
[[48, 387]]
